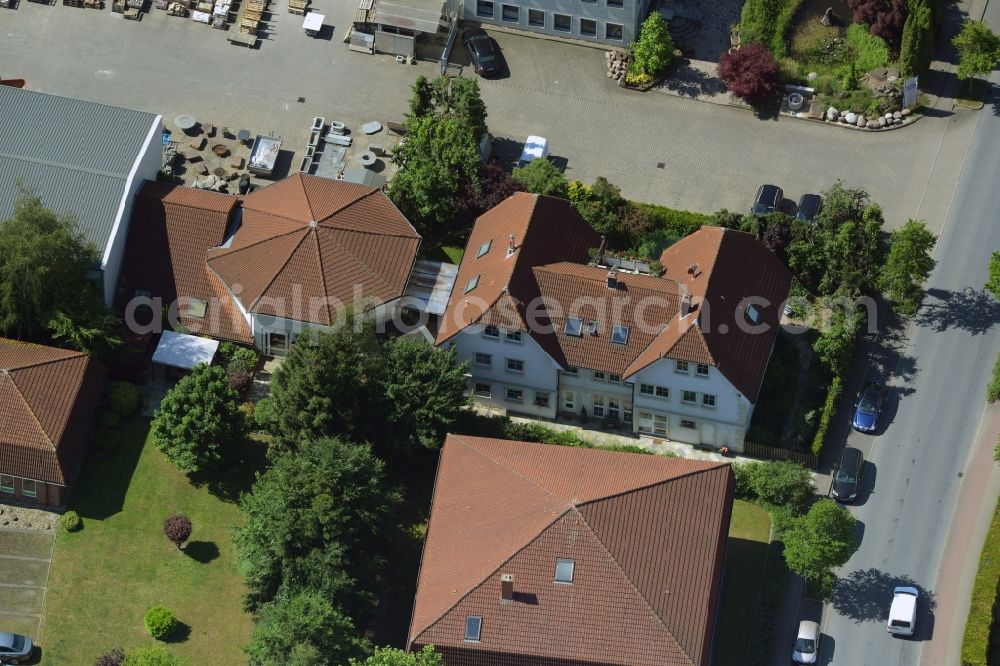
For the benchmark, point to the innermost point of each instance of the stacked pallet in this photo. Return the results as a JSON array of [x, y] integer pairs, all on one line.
[[250, 14], [298, 6]]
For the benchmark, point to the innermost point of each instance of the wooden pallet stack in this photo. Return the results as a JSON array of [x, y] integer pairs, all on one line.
[[365, 12], [298, 6], [251, 11]]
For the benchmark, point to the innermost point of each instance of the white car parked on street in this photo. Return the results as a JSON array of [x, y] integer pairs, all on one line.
[[903, 612], [806, 643]]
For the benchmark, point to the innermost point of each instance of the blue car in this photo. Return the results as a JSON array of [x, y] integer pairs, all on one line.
[[869, 407], [15, 648]]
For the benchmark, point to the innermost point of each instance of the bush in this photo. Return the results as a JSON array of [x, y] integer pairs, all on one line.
[[750, 73], [654, 50], [780, 483], [115, 657], [263, 414], [884, 18], [829, 408], [541, 177], [993, 390], [680, 222], [106, 440], [177, 528], [870, 51], [124, 398], [239, 381], [108, 419], [246, 409], [154, 655], [70, 521], [917, 48], [242, 359], [160, 622], [766, 22]]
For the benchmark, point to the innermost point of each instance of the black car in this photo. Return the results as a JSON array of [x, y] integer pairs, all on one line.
[[768, 200], [809, 206], [847, 478], [485, 57]]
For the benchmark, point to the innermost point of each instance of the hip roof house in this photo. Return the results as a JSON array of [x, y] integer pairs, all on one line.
[[84, 159]]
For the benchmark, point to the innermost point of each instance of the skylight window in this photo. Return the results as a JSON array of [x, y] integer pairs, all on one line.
[[574, 326], [592, 327], [564, 570], [197, 307], [753, 314], [473, 627], [619, 335], [484, 248], [472, 284]]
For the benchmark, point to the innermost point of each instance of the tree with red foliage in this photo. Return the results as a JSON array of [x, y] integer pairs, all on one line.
[[751, 72], [884, 18], [495, 185], [177, 528]]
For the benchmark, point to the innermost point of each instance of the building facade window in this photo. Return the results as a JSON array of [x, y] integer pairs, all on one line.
[[616, 4], [662, 392], [29, 488], [473, 628], [536, 18], [511, 13], [599, 376], [513, 336], [702, 370], [707, 400], [483, 359], [654, 424], [627, 412], [688, 423], [515, 395], [588, 28], [491, 332], [564, 570], [647, 389], [562, 23], [614, 31], [541, 398], [597, 405], [681, 367], [612, 377], [6, 483], [689, 397], [484, 8], [483, 390], [571, 371], [569, 400], [515, 365], [614, 408]]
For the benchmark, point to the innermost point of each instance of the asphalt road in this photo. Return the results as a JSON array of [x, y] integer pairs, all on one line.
[[916, 464]]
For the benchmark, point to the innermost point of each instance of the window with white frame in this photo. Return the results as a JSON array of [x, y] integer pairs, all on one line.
[[541, 398], [653, 424], [471, 284], [196, 307], [681, 366], [707, 400], [627, 412], [702, 370], [612, 377], [569, 400], [482, 389], [536, 18], [616, 4], [515, 365], [599, 376], [562, 22], [753, 314], [647, 389], [564, 570], [588, 27], [574, 326], [28, 488], [688, 423], [484, 8], [473, 628], [619, 335], [597, 405], [513, 336], [491, 332], [6, 483], [662, 392], [689, 397], [614, 408], [515, 395], [614, 31], [485, 247], [511, 13], [483, 359], [591, 327]]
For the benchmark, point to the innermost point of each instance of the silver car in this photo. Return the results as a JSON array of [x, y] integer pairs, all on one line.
[[15, 648], [806, 643]]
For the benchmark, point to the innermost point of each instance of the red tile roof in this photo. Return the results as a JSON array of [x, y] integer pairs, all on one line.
[[47, 399], [647, 536], [308, 244], [545, 230]]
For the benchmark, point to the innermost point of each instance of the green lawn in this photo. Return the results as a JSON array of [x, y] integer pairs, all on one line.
[[451, 254], [107, 575], [981, 644], [746, 551]]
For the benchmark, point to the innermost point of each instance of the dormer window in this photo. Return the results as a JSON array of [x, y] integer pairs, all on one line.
[[471, 284], [473, 628], [753, 314], [564, 570], [574, 326], [619, 335], [484, 248]]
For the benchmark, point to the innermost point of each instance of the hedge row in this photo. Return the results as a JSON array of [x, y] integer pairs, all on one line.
[[767, 22], [829, 409], [993, 390]]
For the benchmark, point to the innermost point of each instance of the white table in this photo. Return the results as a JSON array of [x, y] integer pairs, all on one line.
[[313, 23]]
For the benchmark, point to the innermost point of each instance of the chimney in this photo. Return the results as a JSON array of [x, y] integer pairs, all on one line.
[[693, 268], [510, 245], [612, 280], [506, 587]]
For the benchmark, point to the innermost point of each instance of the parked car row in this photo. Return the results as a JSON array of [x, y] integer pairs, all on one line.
[[770, 197]]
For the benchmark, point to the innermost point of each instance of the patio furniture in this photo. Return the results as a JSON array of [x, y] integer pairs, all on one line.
[[220, 149], [236, 162], [376, 148], [209, 129], [371, 127], [366, 158], [199, 143], [186, 123], [243, 135], [200, 168]]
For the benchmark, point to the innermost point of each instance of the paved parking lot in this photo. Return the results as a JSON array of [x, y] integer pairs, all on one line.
[[25, 559], [657, 147]]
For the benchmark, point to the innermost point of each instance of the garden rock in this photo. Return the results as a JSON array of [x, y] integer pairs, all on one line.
[[906, 112], [811, 76], [872, 124], [850, 118], [882, 122], [897, 115], [832, 113], [860, 121]]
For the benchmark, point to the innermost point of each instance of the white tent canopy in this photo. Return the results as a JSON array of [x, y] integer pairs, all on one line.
[[181, 350]]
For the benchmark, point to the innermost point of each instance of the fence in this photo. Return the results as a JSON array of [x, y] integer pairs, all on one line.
[[755, 450]]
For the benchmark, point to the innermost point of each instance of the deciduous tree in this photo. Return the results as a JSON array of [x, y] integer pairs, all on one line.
[[884, 18], [654, 50], [751, 73], [993, 283], [820, 540], [198, 422], [386, 656], [907, 265], [978, 49], [541, 176]]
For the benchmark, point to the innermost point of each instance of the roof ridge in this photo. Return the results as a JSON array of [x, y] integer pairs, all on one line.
[[635, 588], [314, 232], [27, 404], [701, 338], [647, 486], [305, 196], [72, 355], [226, 251]]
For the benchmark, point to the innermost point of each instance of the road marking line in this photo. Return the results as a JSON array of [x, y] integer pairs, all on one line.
[[24, 558]]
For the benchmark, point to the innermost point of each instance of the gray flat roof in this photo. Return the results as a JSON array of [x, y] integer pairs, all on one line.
[[76, 155], [417, 15]]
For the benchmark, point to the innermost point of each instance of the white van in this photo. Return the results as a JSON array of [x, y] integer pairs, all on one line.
[[903, 612], [535, 147]]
